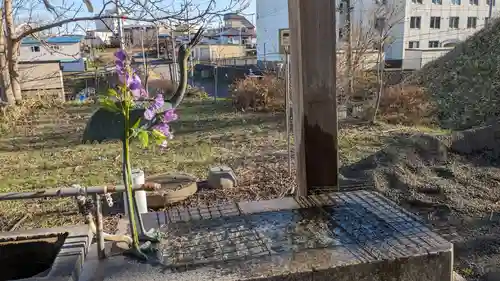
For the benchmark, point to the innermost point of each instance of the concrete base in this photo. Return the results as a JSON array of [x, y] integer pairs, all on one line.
[[69, 261], [356, 235]]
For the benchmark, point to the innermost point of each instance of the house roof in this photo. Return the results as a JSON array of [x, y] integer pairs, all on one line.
[[67, 39], [235, 16], [231, 32]]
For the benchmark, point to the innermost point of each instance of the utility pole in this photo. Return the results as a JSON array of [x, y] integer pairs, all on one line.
[[241, 40], [174, 55], [144, 62], [350, 70], [287, 109], [120, 25], [490, 11], [157, 41], [189, 39]]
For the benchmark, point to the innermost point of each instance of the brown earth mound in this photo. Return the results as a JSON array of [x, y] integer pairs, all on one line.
[[459, 172], [453, 182]]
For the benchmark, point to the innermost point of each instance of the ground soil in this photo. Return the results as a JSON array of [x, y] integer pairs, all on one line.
[[453, 182]]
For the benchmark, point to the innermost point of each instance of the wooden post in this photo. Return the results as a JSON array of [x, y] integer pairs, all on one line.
[[313, 66]]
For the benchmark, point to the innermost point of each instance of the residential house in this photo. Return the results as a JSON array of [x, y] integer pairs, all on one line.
[[234, 20], [236, 30], [108, 24], [97, 38], [212, 53], [63, 49], [135, 34]]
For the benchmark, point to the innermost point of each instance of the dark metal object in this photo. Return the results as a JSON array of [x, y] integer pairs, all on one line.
[[101, 250], [106, 125]]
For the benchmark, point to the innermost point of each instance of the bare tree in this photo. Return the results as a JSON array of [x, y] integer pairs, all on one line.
[[368, 34], [7, 94], [387, 17], [60, 16]]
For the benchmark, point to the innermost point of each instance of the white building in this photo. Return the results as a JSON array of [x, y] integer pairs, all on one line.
[[431, 26], [110, 24], [63, 49]]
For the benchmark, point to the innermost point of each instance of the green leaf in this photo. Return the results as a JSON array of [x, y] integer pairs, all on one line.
[[144, 138], [108, 104], [158, 136], [137, 123], [112, 93]]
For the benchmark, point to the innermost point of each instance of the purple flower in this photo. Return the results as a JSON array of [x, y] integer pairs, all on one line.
[[170, 116], [134, 85], [153, 108], [120, 65], [144, 93], [164, 128], [120, 55]]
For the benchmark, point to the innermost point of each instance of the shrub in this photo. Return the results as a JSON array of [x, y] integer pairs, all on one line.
[[265, 93], [16, 117], [407, 105], [196, 93]]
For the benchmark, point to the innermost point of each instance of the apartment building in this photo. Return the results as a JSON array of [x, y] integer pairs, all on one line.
[[408, 24]]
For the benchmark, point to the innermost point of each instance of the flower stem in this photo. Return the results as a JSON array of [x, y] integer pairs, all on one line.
[[127, 178]]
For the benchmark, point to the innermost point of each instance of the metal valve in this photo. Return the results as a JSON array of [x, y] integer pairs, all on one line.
[[109, 199]]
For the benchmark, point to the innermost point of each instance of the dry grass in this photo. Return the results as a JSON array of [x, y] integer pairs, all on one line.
[[265, 93], [49, 154]]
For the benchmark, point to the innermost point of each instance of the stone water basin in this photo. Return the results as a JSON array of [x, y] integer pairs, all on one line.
[[55, 254], [357, 235]]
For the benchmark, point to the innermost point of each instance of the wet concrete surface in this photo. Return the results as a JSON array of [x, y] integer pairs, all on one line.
[[345, 236]]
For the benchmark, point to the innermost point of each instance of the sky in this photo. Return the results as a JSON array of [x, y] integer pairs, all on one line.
[[220, 4], [98, 4]]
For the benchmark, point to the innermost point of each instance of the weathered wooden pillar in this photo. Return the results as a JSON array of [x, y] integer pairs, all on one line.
[[313, 66]]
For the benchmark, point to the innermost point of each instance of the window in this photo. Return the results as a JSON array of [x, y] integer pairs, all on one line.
[[341, 33], [449, 44], [433, 44], [471, 22], [490, 1], [381, 2], [456, 2], [437, 2], [55, 47], [379, 24], [474, 2], [417, 1], [415, 22], [341, 7], [414, 44], [454, 22], [35, 49], [435, 22]]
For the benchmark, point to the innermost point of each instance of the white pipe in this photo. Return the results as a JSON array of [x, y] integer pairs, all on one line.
[[138, 178]]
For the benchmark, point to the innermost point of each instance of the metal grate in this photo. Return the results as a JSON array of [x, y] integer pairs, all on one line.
[[197, 240], [363, 222]]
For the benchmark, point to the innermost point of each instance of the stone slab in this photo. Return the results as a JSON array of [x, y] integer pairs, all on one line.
[[356, 235], [69, 261]]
